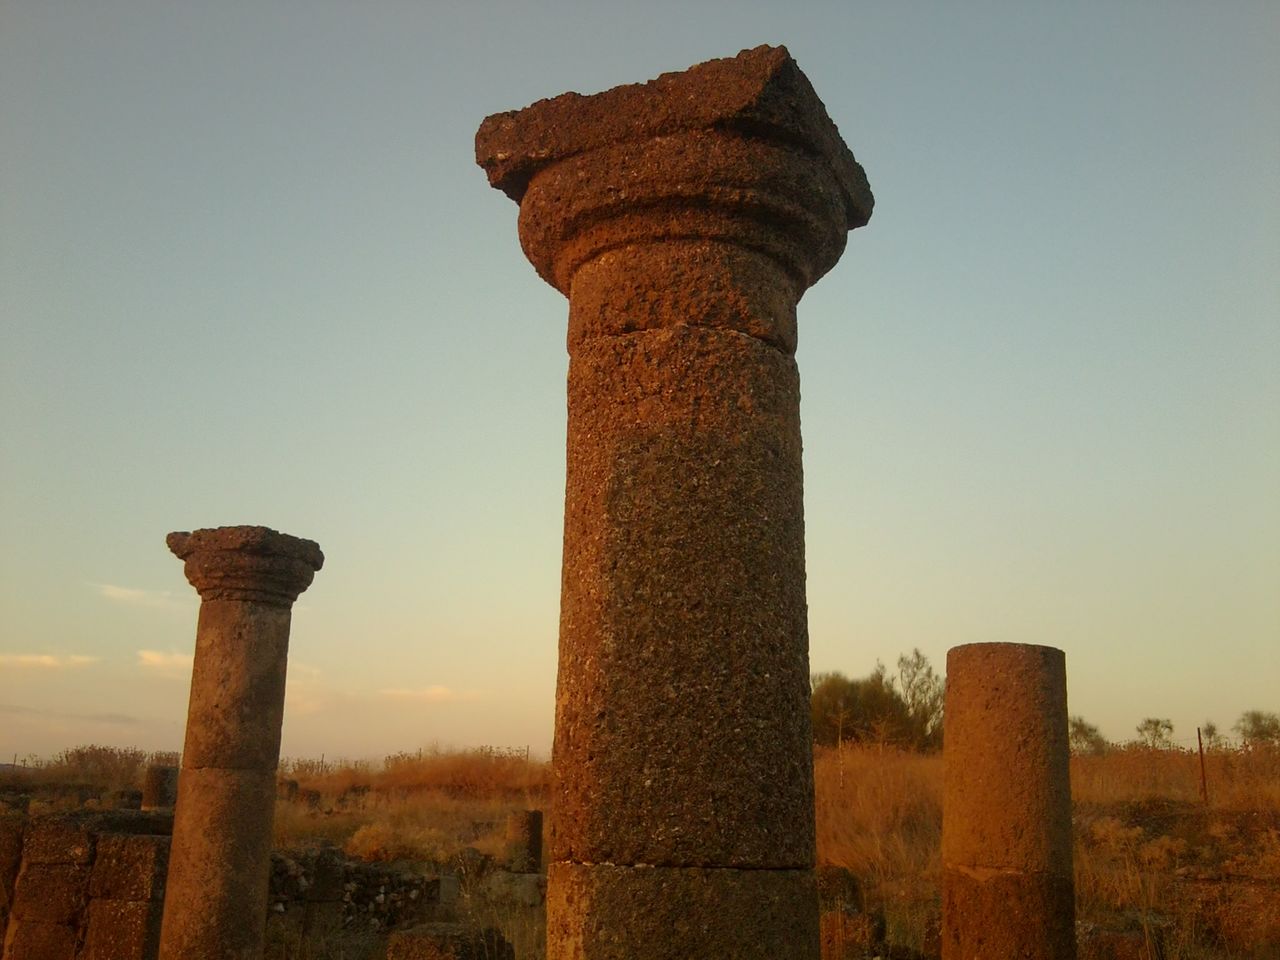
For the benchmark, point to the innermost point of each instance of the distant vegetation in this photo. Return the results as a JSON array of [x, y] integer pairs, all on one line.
[[904, 710], [110, 768]]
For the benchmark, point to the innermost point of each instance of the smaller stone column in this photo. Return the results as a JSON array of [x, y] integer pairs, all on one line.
[[524, 841], [159, 787], [216, 896], [1007, 882]]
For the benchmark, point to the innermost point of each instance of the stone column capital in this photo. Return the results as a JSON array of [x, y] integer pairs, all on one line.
[[247, 563], [737, 151]]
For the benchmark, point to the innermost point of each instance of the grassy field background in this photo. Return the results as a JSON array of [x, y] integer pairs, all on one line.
[[1154, 863]]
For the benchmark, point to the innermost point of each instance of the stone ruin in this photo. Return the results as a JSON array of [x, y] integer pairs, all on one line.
[[82, 886], [683, 219], [159, 788], [90, 885], [248, 578], [1007, 884]]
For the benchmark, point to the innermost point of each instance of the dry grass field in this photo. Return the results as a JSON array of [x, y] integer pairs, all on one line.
[[1156, 868]]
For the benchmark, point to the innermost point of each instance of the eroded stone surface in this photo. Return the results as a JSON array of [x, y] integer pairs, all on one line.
[[121, 928], [739, 150], [682, 725], [236, 710], [159, 788], [761, 93], [1027, 915], [215, 903], [29, 940], [1006, 833], [130, 867], [51, 892], [247, 563], [683, 218], [607, 912]]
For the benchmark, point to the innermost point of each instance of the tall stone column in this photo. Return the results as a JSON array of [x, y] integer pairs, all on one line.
[[683, 219], [1007, 883], [215, 903]]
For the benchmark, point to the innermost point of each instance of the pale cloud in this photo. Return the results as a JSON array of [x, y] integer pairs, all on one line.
[[119, 718], [45, 661], [169, 664], [134, 597], [302, 671], [305, 695], [433, 694]]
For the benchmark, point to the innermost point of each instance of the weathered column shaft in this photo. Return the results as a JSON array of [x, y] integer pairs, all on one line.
[[1008, 887], [683, 218], [216, 893], [159, 787]]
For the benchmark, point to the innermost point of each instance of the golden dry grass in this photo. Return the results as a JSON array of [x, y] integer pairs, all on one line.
[[420, 806], [1204, 880]]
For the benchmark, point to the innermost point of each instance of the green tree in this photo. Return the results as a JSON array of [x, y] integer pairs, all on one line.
[[832, 701], [869, 709], [1084, 737], [1156, 733], [1258, 727], [923, 693], [1213, 740]]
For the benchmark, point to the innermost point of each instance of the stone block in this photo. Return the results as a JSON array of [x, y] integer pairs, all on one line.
[[32, 940], [524, 841], [122, 930], [159, 788], [665, 913], [51, 892], [448, 941], [130, 867], [70, 837], [58, 838]]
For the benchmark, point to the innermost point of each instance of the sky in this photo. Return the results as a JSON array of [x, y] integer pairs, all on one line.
[[251, 274]]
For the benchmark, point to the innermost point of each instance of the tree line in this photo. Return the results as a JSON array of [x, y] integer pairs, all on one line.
[[905, 710], [1255, 728]]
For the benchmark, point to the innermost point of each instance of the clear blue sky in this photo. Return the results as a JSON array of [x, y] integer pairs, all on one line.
[[249, 273]]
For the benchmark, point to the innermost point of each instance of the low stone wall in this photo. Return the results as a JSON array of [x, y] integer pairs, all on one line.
[[317, 893], [87, 886]]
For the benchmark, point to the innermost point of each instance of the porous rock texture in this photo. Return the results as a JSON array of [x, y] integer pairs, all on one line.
[[1008, 888], [247, 577], [683, 218], [609, 912]]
